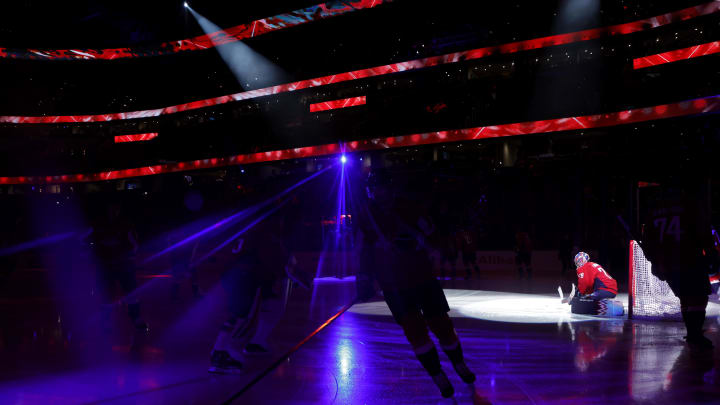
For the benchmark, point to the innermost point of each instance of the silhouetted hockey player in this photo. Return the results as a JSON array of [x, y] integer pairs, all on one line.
[[115, 243], [677, 239], [254, 284], [394, 253], [181, 266], [564, 252], [523, 258], [467, 246], [444, 239]]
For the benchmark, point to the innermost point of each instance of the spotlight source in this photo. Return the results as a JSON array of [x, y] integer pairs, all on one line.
[[186, 5], [343, 159]]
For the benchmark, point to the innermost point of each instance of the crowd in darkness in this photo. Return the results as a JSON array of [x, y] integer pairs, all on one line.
[[434, 31], [469, 206], [564, 189]]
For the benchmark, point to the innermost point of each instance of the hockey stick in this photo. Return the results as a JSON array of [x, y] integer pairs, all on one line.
[[569, 297], [285, 356]]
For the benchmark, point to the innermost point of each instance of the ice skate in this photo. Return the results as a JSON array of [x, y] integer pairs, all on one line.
[[255, 349], [222, 363], [443, 384], [699, 342]]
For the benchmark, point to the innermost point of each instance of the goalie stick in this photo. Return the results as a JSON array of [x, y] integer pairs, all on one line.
[[569, 297]]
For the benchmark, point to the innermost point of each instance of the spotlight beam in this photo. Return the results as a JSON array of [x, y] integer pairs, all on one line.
[[250, 68], [236, 235], [260, 26], [49, 240], [233, 218], [215, 227]]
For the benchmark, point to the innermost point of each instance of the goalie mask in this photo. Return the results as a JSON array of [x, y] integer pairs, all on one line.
[[581, 258]]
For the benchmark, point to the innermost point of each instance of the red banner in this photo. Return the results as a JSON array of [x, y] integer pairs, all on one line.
[[677, 55], [684, 108], [335, 104], [202, 42], [513, 47], [136, 137]]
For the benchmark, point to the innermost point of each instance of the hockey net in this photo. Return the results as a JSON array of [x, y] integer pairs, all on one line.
[[650, 297]]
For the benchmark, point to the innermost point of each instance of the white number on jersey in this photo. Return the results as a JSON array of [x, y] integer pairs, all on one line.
[[600, 269]]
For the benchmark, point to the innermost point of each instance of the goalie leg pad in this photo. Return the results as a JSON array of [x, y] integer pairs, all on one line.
[[584, 306], [611, 308], [606, 307]]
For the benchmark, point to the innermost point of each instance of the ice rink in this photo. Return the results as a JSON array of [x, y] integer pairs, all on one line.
[[526, 348]]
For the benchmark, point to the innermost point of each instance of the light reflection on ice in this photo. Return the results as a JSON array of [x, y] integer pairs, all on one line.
[[495, 306]]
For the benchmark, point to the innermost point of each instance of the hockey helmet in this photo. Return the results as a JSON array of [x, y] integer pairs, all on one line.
[[581, 258]]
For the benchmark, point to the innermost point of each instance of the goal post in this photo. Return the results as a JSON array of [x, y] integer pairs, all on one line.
[[648, 296], [631, 285]]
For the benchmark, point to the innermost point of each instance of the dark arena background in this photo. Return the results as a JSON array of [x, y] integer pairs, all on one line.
[[359, 202]]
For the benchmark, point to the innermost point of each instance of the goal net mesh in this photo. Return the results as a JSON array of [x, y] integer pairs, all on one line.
[[651, 298]]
